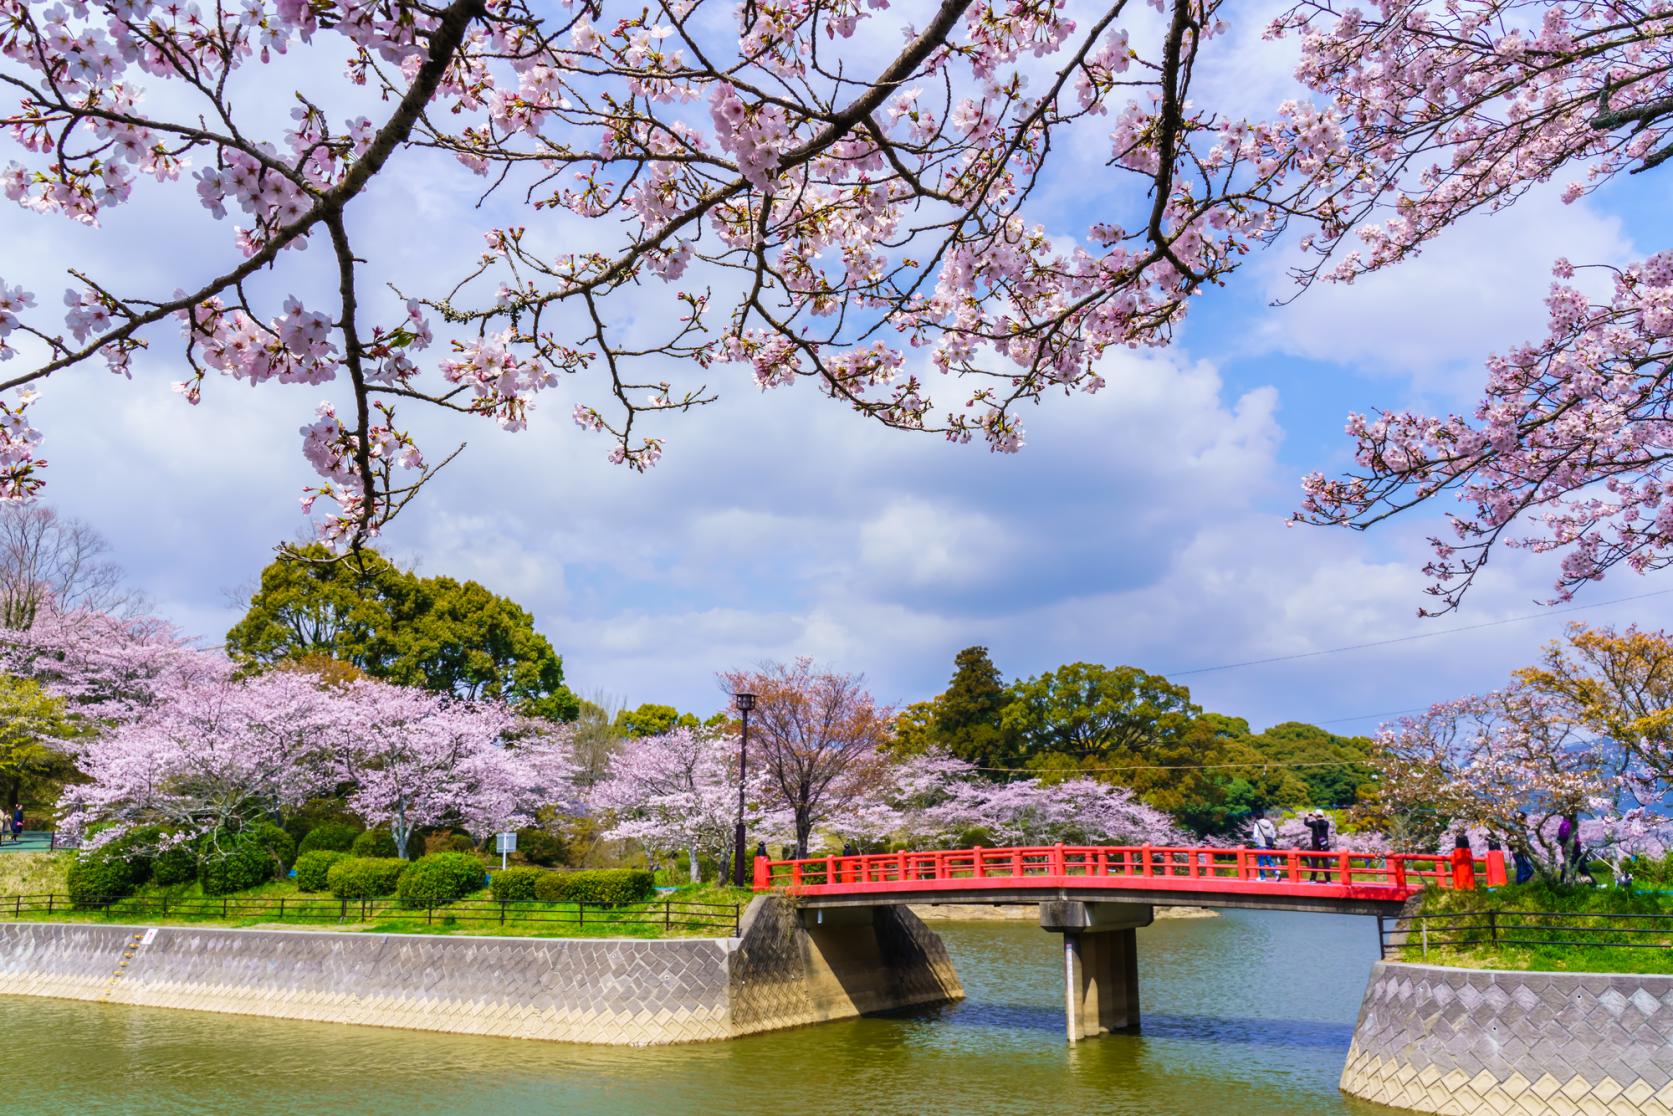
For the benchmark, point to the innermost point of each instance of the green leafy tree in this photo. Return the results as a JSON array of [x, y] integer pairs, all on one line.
[[1336, 770], [436, 632], [32, 725], [914, 729], [1211, 776], [969, 717], [1085, 711], [653, 720]]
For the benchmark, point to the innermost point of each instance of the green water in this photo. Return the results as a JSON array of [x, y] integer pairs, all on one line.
[[1249, 1014]]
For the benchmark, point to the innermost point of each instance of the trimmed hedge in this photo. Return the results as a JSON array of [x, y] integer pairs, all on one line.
[[374, 844], [177, 864], [365, 877], [441, 877], [515, 884], [313, 866], [331, 836], [277, 842], [599, 885], [231, 862], [99, 875]]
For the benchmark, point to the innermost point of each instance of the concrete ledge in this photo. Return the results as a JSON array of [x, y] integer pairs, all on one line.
[[1468, 1041], [609, 991]]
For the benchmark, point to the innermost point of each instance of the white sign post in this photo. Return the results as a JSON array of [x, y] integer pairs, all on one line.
[[505, 843]]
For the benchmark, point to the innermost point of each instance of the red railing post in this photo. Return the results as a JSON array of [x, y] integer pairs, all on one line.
[[1144, 861], [1398, 864], [763, 873], [1463, 869], [1344, 872], [902, 868], [1055, 862], [831, 876], [795, 873], [1294, 859], [976, 862]]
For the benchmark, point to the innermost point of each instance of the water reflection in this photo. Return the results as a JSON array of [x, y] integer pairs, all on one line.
[[1250, 1013]]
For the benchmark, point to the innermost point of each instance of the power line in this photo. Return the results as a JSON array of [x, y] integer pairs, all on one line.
[[1413, 638], [1369, 716], [1175, 767]]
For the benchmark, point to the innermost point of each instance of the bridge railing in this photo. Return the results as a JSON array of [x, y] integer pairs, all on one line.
[[1212, 867]]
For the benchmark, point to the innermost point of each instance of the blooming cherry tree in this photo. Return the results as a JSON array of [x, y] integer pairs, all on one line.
[[214, 753], [816, 192], [1511, 762], [417, 759], [1438, 110], [679, 791]]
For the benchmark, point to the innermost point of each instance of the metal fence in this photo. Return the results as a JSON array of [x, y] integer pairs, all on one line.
[[667, 915], [1499, 929]]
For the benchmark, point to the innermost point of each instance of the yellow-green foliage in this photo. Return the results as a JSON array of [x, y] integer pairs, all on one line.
[[34, 873]]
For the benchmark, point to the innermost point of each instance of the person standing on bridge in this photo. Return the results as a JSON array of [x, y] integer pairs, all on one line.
[[1264, 835], [1319, 826]]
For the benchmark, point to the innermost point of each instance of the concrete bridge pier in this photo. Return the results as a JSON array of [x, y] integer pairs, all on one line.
[[1100, 963]]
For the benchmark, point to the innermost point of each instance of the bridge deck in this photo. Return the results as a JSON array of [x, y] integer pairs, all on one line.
[[1341, 881]]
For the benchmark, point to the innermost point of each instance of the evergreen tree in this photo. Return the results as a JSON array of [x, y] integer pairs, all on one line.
[[967, 717]]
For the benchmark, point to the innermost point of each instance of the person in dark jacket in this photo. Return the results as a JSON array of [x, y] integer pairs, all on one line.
[[1319, 826]]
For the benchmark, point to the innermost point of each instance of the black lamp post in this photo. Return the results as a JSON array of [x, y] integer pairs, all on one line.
[[746, 702]]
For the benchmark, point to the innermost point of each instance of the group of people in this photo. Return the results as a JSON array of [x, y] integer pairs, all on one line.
[[12, 824], [1264, 835]]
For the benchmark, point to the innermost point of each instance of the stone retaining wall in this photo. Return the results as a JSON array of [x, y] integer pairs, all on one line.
[[616, 991], [1469, 1041]]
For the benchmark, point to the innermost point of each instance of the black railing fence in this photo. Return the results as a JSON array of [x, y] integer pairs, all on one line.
[[1500, 929], [666, 915]]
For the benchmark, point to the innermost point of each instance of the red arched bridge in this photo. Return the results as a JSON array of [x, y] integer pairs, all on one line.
[[1098, 896]]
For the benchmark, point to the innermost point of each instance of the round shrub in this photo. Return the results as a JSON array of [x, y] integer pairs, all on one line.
[[441, 877], [313, 866], [599, 885], [516, 884], [229, 862], [334, 836], [365, 877], [177, 864], [278, 844], [98, 876], [540, 847], [374, 844], [138, 847]]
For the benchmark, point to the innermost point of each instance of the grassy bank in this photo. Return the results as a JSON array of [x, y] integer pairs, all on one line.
[[670, 915], [1544, 927]]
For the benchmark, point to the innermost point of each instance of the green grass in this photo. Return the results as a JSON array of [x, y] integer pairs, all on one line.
[[1587, 940], [34, 873], [477, 915]]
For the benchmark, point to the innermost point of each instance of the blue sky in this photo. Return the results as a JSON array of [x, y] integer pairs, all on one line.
[[1143, 525]]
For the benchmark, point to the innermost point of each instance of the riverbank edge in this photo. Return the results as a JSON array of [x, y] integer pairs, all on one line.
[[1024, 912], [1449, 1040], [775, 975]]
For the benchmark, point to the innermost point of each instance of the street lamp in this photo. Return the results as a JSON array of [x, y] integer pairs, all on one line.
[[745, 702]]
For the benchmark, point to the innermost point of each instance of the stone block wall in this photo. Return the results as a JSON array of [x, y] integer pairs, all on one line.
[[1470, 1041], [615, 991]]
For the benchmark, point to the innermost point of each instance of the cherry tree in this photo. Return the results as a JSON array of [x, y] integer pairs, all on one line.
[[810, 192], [853, 195], [1438, 110], [818, 737], [1512, 762], [679, 791], [214, 753], [416, 759], [108, 668]]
